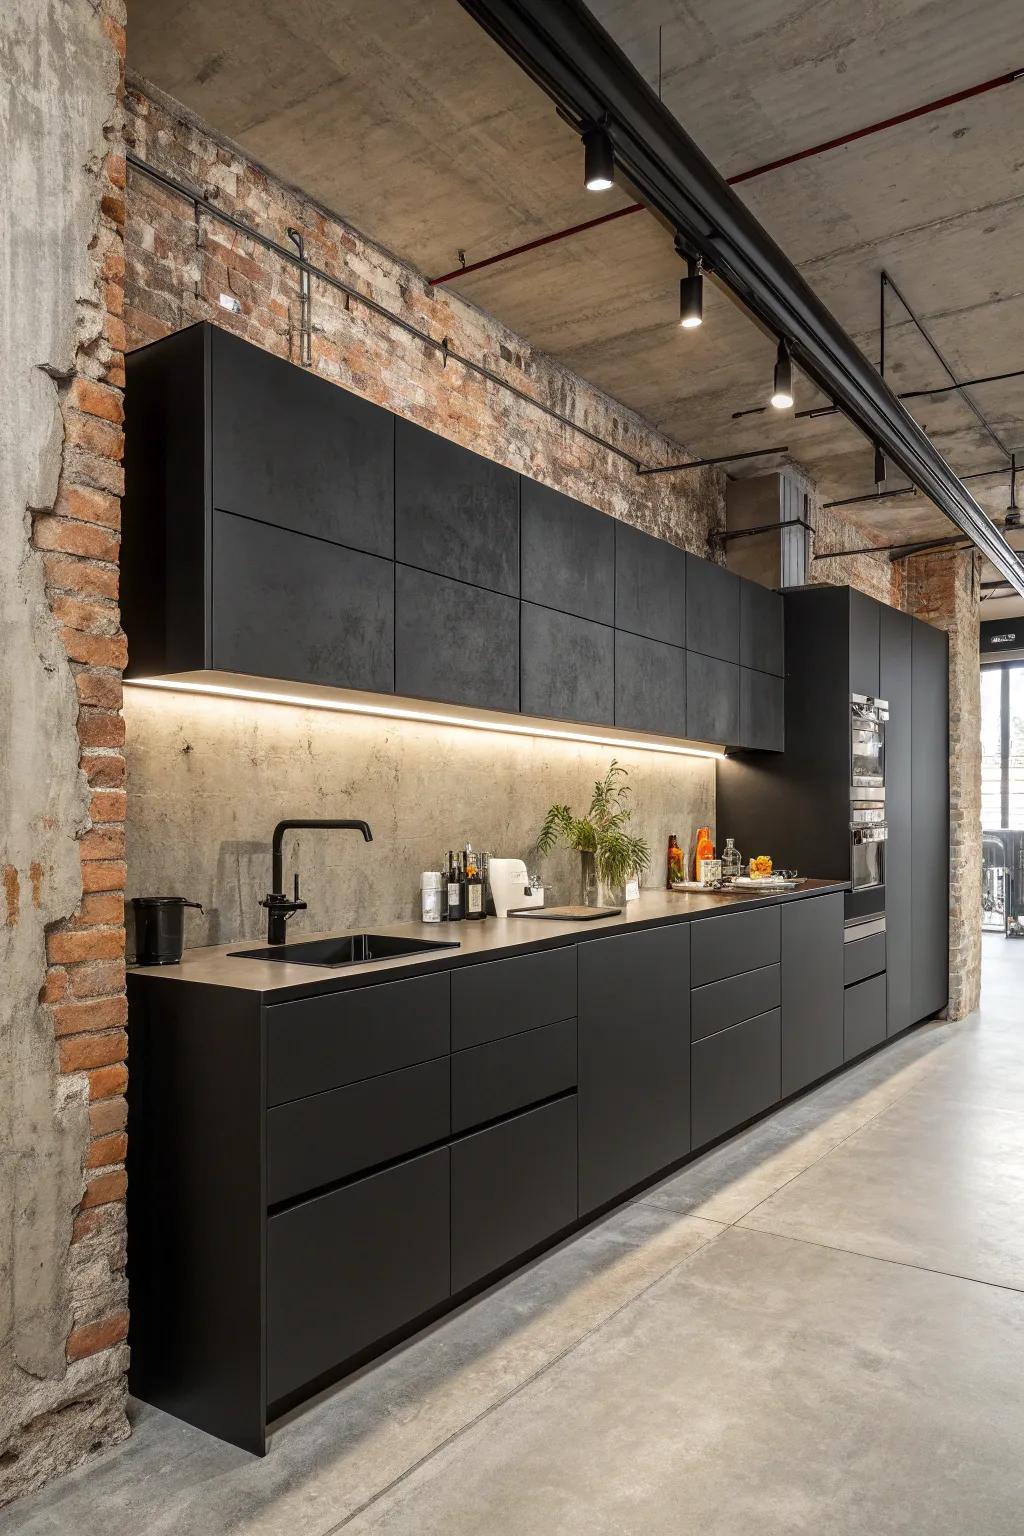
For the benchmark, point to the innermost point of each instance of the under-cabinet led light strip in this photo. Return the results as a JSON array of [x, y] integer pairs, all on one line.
[[426, 717]]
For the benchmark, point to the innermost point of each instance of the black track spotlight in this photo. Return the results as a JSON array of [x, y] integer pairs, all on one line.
[[879, 466], [598, 159], [782, 387], [1012, 519], [691, 295]]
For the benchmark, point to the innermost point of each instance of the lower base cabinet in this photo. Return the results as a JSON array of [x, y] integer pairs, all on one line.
[[634, 1059], [347, 1269], [736, 1075], [513, 1186], [812, 990], [863, 1017]]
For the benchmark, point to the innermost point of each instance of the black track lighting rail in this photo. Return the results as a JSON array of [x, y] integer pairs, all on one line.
[[721, 458], [570, 56], [908, 490]]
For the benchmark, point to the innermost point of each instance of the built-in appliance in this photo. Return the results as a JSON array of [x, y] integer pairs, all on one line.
[[868, 831]]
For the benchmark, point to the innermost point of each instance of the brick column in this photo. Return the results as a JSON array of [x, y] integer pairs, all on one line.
[[944, 589]]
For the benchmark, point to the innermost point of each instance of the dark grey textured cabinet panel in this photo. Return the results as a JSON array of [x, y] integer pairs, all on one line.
[[323, 1042], [568, 554], [722, 1004], [495, 1079], [650, 586], [455, 643], [712, 699], [762, 636], [294, 450], [733, 943], [456, 513], [712, 609], [287, 606], [930, 811], [762, 711], [349, 1268], [634, 1059], [864, 621], [894, 685], [317, 1141], [864, 1017], [863, 958], [504, 997], [650, 685], [513, 1186], [567, 669], [735, 1076], [812, 990]]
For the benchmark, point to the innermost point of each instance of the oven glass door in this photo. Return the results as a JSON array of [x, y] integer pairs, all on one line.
[[868, 861], [868, 759]]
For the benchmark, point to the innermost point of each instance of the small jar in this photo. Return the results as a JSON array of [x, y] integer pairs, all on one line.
[[431, 892]]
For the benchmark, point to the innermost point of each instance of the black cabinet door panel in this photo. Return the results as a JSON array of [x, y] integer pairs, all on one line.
[[650, 685], [863, 1017], [347, 1269], [455, 643], [894, 685], [496, 1079], [513, 1187], [721, 1004], [864, 633], [864, 957], [456, 513], [503, 997], [712, 699], [929, 939], [567, 670], [650, 586], [762, 639], [712, 609], [634, 1059], [292, 449], [287, 606], [568, 554], [812, 989], [735, 1076], [762, 711], [734, 942]]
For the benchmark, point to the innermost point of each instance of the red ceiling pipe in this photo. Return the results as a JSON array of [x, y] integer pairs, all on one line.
[[758, 170]]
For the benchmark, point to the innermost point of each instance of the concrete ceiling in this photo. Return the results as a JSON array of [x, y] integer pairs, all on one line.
[[407, 120]]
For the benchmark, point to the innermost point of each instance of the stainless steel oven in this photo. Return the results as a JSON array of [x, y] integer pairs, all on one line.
[[868, 834]]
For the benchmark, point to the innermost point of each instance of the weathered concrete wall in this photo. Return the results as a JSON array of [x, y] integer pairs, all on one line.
[[61, 1375]]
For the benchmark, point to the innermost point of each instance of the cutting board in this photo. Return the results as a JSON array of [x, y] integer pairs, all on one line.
[[567, 914]]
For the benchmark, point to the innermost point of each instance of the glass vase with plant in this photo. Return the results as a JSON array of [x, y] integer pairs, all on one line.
[[610, 854]]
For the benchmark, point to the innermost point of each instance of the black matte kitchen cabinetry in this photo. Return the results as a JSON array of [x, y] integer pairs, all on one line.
[[735, 1076], [762, 632], [929, 932], [712, 699], [288, 606], [894, 682], [650, 685], [812, 990], [650, 586], [634, 1059], [864, 642], [863, 1017], [292, 449], [567, 667], [712, 610], [568, 554], [456, 513], [455, 643], [762, 711]]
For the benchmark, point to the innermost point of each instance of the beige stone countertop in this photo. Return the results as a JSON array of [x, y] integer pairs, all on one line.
[[497, 937]]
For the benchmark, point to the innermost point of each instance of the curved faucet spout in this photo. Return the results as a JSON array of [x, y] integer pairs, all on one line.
[[279, 907]]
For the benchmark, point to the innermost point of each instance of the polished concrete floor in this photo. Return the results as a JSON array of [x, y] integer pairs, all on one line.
[[818, 1327]]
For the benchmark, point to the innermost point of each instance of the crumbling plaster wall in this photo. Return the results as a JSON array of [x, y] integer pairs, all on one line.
[[59, 79]]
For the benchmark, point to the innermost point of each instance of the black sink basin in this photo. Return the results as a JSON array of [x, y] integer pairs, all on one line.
[[347, 949]]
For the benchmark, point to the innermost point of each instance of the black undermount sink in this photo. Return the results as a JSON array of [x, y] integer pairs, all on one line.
[[347, 949]]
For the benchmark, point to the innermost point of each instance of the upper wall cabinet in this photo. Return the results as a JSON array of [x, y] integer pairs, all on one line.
[[455, 513], [650, 586], [762, 638], [568, 667], [568, 554], [291, 449], [712, 610], [455, 643]]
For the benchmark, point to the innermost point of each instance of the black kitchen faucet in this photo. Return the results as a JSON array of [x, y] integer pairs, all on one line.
[[279, 906]]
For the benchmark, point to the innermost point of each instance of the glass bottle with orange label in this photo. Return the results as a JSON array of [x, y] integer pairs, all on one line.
[[704, 850]]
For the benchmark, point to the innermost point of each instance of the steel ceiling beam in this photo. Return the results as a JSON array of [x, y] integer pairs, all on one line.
[[572, 58]]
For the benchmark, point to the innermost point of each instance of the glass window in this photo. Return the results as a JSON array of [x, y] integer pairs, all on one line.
[[1015, 747], [991, 747], [1002, 746]]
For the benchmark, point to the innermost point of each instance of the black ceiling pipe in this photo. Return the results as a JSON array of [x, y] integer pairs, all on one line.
[[571, 57]]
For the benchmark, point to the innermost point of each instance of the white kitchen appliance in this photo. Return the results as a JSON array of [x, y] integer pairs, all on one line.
[[510, 886]]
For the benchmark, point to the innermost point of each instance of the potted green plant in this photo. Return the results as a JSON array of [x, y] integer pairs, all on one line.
[[610, 854]]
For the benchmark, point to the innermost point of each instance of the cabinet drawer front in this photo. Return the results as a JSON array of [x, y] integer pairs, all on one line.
[[324, 1042], [725, 1003], [736, 1075], [863, 958], [863, 1016], [495, 1079], [347, 1269], [506, 997], [512, 1187], [733, 943], [312, 1142]]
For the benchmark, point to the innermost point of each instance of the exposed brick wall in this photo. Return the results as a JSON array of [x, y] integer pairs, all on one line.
[[875, 575], [945, 589]]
